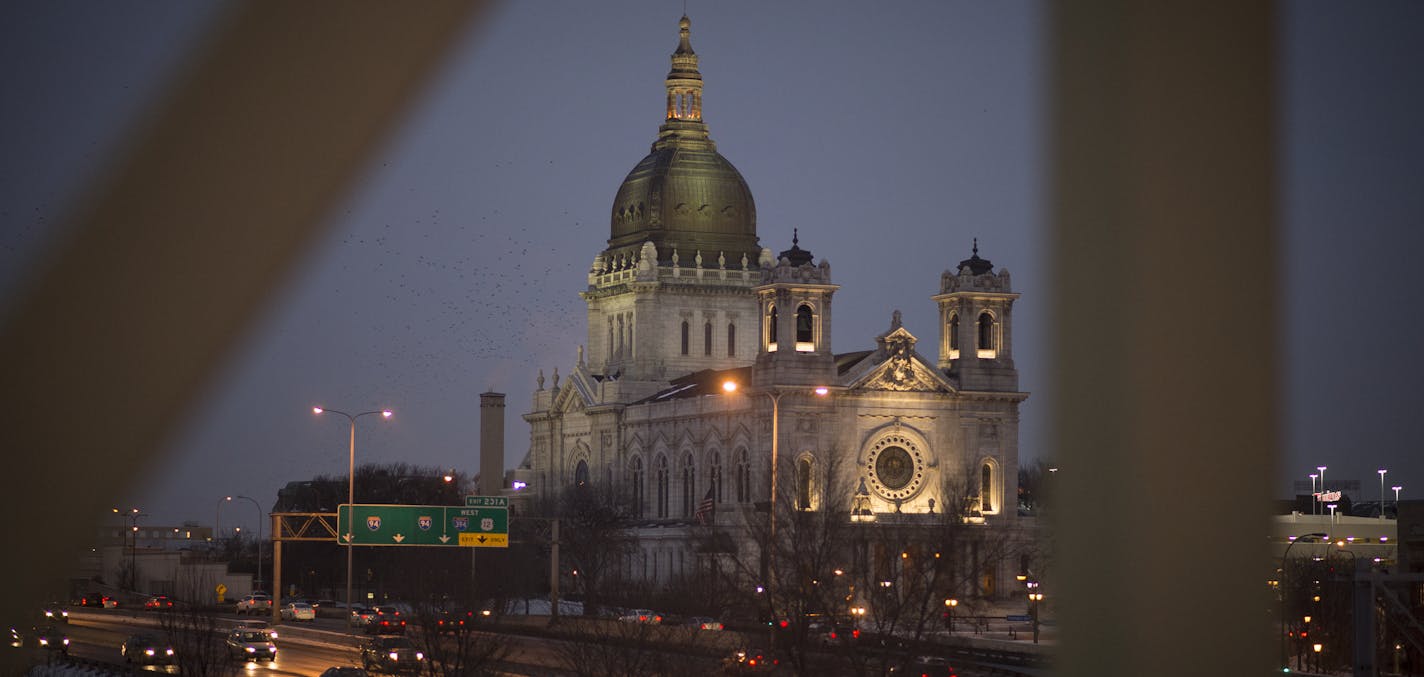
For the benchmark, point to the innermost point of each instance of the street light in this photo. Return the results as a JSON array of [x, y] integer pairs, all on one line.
[[259, 535], [1382, 471], [1312, 492], [775, 397], [949, 605], [132, 517], [351, 491], [1320, 468], [1285, 658], [1034, 598], [1396, 501]]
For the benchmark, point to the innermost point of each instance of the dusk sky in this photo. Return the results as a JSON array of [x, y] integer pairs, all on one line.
[[890, 134]]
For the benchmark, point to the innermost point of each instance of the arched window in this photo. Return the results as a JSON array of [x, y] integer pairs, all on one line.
[[581, 473], [684, 337], [771, 331], [731, 340], [803, 484], [714, 475], [986, 488], [744, 477], [707, 339], [689, 486], [635, 474], [953, 333], [662, 479], [986, 331], [805, 336]]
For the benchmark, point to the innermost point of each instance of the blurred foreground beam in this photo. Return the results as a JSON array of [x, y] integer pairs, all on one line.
[[173, 254], [1165, 341]]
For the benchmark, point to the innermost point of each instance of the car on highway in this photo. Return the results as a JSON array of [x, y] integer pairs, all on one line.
[[40, 637], [159, 602], [704, 623], [254, 603], [642, 616], [924, 666], [392, 654], [55, 612], [148, 649], [249, 644], [362, 616], [298, 611], [97, 600], [344, 671], [257, 625], [751, 661], [388, 621]]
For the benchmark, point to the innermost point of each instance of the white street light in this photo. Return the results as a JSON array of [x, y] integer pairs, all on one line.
[[350, 489], [1382, 471]]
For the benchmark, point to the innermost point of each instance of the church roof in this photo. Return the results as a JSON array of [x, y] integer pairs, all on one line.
[[684, 195], [796, 255], [699, 384], [847, 361]]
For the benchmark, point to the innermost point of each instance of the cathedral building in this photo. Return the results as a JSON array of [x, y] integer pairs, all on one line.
[[707, 355]]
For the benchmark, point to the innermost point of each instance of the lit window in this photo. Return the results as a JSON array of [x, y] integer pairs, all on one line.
[[805, 333]]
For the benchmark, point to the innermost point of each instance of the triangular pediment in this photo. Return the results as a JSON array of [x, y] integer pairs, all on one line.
[[904, 373]]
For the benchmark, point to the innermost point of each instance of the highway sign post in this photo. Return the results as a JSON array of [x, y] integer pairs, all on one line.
[[482, 523]]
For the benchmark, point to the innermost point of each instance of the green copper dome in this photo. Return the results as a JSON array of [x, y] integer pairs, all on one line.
[[684, 195]]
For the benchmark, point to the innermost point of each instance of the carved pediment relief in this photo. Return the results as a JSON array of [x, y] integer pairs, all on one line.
[[903, 374]]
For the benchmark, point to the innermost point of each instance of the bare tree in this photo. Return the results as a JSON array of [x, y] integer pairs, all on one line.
[[609, 648], [198, 642]]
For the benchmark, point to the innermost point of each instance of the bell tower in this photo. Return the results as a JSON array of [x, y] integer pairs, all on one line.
[[795, 307], [976, 325]]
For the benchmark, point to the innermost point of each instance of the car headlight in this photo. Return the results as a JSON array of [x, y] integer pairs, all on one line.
[[168, 651], [419, 656], [148, 652], [44, 642], [394, 656], [66, 641], [251, 650]]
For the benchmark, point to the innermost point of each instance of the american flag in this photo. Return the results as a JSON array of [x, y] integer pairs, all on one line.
[[705, 508]]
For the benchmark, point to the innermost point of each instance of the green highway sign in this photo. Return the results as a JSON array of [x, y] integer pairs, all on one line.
[[435, 525]]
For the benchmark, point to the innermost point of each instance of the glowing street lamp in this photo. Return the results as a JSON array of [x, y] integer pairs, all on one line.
[[949, 605], [351, 487], [1321, 469], [1382, 471]]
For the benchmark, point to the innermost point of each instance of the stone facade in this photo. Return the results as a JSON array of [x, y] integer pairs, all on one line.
[[646, 411]]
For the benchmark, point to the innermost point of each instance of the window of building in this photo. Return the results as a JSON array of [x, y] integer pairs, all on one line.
[[744, 477], [771, 330], [953, 331], [581, 473], [662, 480], [731, 340], [805, 329], [689, 486], [986, 488], [986, 335], [707, 339], [635, 472], [684, 337], [803, 484]]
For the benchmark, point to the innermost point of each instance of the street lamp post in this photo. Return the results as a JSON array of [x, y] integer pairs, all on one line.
[[1382, 471], [775, 397], [1034, 598], [1321, 469], [1285, 657], [1396, 501], [131, 519], [259, 535], [350, 493], [949, 605]]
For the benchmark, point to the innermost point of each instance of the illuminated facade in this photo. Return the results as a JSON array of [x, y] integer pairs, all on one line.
[[684, 299]]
